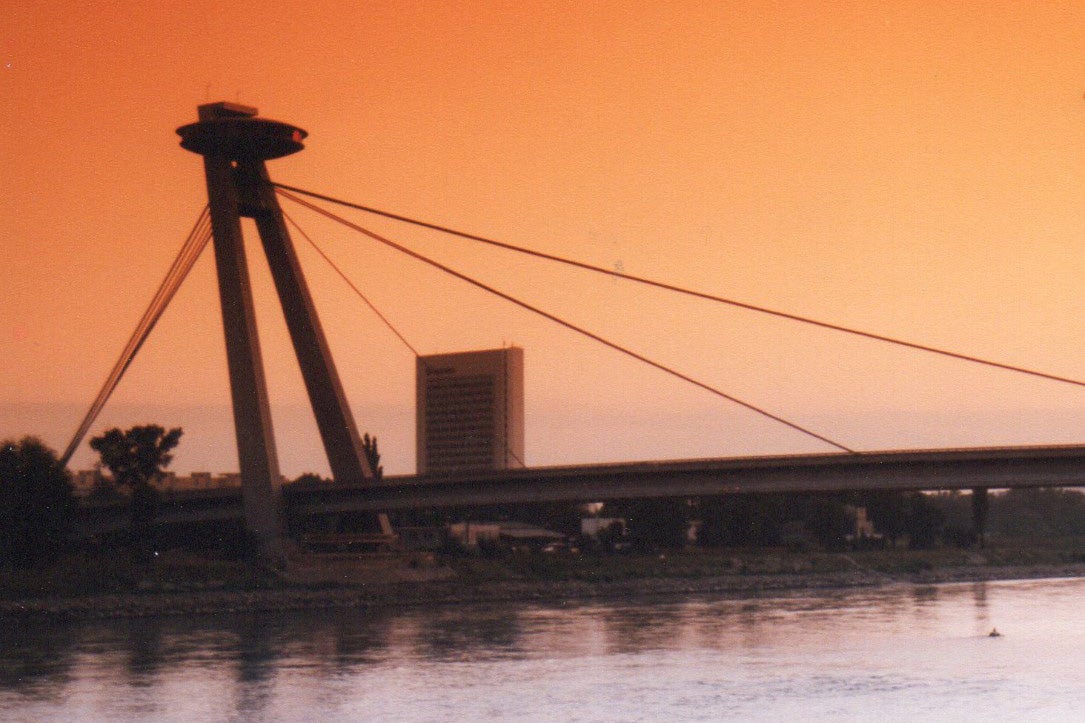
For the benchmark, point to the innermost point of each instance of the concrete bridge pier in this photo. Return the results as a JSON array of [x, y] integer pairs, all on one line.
[[980, 506]]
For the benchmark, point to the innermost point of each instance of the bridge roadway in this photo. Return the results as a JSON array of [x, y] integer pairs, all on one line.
[[948, 469]]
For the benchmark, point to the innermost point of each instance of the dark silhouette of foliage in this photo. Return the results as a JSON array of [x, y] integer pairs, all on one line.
[[888, 512], [1041, 512], [37, 505], [1017, 513], [236, 542], [653, 523], [137, 458], [104, 488], [714, 530], [827, 520], [739, 520], [926, 521], [309, 478], [373, 456], [762, 520]]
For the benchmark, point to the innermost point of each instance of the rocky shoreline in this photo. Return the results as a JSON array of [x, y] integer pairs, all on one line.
[[365, 596]]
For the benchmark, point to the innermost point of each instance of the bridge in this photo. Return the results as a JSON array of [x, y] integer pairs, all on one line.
[[235, 144], [952, 469]]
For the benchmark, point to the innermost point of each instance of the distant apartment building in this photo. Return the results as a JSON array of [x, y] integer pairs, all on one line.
[[470, 411], [199, 481], [84, 481]]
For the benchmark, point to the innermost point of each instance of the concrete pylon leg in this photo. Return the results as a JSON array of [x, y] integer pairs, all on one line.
[[235, 144], [338, 432], [257, 457], [980, 506]]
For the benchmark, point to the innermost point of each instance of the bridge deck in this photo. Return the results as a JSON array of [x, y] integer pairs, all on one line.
[[1001, 467], [1062, 466]]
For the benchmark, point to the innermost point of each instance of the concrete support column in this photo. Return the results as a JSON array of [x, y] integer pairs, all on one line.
[[980, 506], [257, 458]]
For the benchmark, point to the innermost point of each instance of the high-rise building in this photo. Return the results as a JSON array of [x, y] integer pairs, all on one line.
[[470, 410]]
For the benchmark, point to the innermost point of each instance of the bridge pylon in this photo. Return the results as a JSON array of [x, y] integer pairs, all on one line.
[[235, 144]]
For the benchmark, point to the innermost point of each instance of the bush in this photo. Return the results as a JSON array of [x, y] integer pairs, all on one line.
[[239, 544], [37, 506]]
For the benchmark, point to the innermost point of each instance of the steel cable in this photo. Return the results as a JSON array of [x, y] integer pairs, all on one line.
[[193, 246], [558, 320], [697, 294]]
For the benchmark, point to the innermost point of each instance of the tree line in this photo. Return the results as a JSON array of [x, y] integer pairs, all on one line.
[[38, 508], [916, 520], [37, 500]]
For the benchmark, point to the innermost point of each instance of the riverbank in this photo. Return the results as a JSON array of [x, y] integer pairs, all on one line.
[[187, 586], [403, 595]]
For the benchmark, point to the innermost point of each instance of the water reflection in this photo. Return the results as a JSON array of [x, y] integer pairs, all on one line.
[[979, 605], [33, 654], [357, 638], [256, 654], [341, 665], [630, 629], [751, 625], [924, 596], [452, 635], [144, 650]]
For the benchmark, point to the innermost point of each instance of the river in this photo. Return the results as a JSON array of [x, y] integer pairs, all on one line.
[[896, 653]]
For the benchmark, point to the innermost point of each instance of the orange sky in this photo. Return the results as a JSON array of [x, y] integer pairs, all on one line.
[[912, 168]]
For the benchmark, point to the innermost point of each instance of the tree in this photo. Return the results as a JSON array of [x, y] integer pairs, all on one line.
[[737, 520], [104, 487], [827, 519], [309, 478], [653, 523], [37, 505], [925, 522], [373, 456], [1042, 512], [136, 458], [888, 510]]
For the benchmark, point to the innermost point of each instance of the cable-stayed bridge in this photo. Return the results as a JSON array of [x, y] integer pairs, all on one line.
[[235, 143], [950, 469]]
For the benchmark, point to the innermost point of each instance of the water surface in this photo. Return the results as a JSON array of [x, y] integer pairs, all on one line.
[[900, 653]]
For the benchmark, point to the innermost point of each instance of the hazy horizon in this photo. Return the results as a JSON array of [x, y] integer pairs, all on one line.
[[553, 439], [912, 169]]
